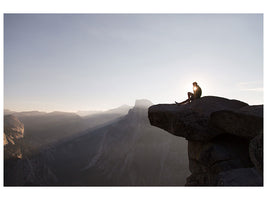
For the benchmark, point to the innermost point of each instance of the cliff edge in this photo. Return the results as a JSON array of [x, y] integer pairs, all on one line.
[[13, 129], [225, 145]]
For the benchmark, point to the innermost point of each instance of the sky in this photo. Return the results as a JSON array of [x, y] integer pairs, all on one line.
[[71, 62]]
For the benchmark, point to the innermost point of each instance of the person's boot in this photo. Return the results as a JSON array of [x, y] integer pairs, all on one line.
[[179, 103]]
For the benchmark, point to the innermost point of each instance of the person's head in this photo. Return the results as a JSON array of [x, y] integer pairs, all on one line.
[[195, 84]]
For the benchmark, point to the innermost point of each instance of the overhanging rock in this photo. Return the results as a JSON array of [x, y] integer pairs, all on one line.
[[191, 121]]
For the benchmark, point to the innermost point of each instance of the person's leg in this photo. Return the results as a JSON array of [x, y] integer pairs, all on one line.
[[190, 96], [184, 102]]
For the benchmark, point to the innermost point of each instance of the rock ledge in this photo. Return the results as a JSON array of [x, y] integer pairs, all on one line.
[[224, 139]]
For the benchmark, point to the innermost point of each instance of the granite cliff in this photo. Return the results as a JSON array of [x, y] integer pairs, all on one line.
[[13, 134], [128, 152], [13, 129], [225, 145]]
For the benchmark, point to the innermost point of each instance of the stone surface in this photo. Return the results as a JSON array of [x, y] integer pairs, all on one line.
[[5, 139], [256, 152], [191, 120], [202, 179], [207, 159], [224, 141], [240, 177], [245, 122], [256, 110], [13, 129]]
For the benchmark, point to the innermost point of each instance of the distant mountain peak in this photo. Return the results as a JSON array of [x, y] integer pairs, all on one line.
[[121, 109], [8, 112], [143, 103], [124, 106]]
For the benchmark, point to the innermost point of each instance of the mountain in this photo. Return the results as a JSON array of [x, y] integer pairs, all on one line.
[[128, 151], [120, 110], [42, 129], [8, 112], [26, 160], [28, 113], [143, 103], [107, 117], [82, 113], [123, 110]]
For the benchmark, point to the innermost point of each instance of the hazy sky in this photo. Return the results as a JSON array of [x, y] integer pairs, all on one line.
[[97, 62]]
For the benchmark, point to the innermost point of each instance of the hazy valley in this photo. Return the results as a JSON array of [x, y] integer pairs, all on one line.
[[116, 147]]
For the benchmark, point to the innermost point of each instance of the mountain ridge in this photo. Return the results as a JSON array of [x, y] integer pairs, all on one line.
[[126, 152]]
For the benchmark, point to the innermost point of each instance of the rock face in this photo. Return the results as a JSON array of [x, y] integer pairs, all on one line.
[[224, 136], [13, 129], [142, 103], [129, 152], [13, 133]]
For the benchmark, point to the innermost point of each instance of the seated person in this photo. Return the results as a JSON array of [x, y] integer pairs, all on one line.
[[192, 96]]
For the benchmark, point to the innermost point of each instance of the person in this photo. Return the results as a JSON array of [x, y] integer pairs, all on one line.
[[192, 96]]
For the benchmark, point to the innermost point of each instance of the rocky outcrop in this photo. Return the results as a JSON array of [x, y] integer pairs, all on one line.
[[224, 139], [244, 122], [13, 133], [29, 171], [256, 152], [19, 167], [142, 103], [13, 129]]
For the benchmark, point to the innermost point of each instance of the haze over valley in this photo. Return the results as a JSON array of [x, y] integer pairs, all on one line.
[[116, 147]]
